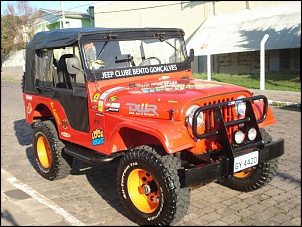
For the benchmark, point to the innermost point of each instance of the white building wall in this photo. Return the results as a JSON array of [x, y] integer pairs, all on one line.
[[14, 65], [73, 23], [17, 58], [187, 15]]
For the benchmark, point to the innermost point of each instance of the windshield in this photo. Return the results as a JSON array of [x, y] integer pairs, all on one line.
[[116, 54]]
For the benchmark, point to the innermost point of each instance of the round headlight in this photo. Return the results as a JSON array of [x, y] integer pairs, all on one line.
[[251, 134], [238, 136], [240, 107], [189, 116]]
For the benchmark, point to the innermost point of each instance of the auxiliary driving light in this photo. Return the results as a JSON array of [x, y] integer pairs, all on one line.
[[238, 136], [251, 134]]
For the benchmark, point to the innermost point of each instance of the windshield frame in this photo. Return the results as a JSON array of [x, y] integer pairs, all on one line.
[[162, 36]]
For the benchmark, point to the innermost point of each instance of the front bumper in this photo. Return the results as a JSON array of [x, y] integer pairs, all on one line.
[[204, 174], [223, 166]]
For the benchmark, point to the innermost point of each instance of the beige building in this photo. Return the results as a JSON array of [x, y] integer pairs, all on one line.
[[188, 15], [230, 32]]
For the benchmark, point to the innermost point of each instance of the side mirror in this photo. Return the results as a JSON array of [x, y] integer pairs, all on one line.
[[191, 55], [73, 65]]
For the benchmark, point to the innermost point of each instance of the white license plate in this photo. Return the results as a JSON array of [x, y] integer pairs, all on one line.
[[246, 161]]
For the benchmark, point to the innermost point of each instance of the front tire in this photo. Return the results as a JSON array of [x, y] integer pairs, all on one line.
[[255, 177], [53, 163], [149, 187]]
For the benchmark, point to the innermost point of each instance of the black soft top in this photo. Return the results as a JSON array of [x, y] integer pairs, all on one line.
[[64, 37], [67, 37]]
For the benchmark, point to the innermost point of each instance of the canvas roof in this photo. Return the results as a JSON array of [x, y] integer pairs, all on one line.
[[243, 31]]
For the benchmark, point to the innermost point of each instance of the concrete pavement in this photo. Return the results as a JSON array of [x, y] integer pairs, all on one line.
[[285, 98], [22, 205], [86, 196]]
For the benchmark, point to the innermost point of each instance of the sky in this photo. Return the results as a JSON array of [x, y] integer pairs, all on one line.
[[76, 6]]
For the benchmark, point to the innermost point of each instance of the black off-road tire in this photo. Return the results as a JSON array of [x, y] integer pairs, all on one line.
[[23, 82], [258, 176], [144, 169], [53, 163]]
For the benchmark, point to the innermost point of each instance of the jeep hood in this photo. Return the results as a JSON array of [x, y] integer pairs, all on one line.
[[156, 99]]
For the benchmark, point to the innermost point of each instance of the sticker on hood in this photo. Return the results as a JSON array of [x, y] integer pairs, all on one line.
[[106, 93]]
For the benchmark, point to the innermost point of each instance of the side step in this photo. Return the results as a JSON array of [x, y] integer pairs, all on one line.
[[88, 155]]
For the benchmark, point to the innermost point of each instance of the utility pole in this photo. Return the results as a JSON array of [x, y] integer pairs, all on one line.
[[63, 15], [262, 62]]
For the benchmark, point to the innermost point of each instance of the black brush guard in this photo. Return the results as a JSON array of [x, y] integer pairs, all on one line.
[[223, 167]]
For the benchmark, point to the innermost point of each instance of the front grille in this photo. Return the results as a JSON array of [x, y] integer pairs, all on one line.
[[220, 117], [227, 115]]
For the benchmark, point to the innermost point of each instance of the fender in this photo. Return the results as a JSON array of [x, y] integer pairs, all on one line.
[[174, 137], [34, 108], [52, 108], [258, 110]]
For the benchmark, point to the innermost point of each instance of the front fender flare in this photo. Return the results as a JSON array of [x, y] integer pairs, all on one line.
[[172, 135]]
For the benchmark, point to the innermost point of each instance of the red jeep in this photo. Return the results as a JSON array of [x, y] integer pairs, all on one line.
[[99, 94]]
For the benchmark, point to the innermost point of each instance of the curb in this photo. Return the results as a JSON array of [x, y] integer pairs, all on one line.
[[282, 103]]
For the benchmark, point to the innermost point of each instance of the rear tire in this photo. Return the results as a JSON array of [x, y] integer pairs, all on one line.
[[255, 177], [149, 187], [23, 82], [53, 163]]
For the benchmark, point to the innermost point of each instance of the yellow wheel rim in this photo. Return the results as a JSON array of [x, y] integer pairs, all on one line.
[[44, 152], [143, 190], [244, 173]]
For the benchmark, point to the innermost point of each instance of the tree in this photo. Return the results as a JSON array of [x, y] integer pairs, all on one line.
[[15, 26]]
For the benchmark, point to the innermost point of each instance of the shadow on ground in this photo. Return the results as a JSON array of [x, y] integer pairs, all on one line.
[[23, 132], [291, 108], [103, 179]]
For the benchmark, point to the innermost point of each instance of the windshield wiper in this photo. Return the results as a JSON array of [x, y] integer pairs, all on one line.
[[161, 38], [109, 38], [164, 40]]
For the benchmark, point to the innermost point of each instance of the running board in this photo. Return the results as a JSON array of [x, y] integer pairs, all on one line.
[[88, 155]]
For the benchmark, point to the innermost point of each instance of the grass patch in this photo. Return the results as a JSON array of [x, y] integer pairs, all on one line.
[[10, 78], [284, 104], [279, 82]]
